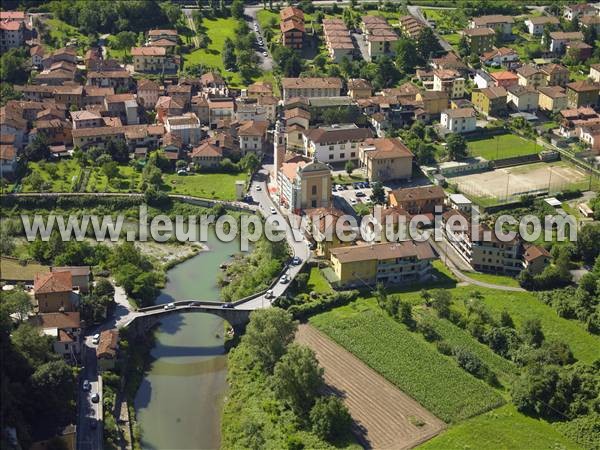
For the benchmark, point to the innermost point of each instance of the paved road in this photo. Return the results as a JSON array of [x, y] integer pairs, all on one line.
[[415, 11], [266, 62], [89, 414], [451, 260]]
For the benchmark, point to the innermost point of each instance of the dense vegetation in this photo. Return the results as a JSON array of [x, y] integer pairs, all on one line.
[[275, 391]]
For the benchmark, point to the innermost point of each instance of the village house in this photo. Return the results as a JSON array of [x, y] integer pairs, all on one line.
[[107, 349], [213, 83], [167, 107], [65, 54], [490, 101], [93, 95], [123, 106], [385, 159], [504, 78], [411, 27], [37, 54], [12, 123], [530, 75], [450, 81], [252, 135], [259, 89], [359, 88], [53, 292], [379, 35], [552, 98], [418, 200], [582, 93], [207, 155], [578, 50], [503, 56], [80, 276], [114, 78], [160, 34], [555, 74], [434, 102], [459, 120], [182, 93], [590, 134], [86, 119], [337, 39], [595, 73], [200, 108], [297, 116], [535, 258], [480, 40], [187, 127], [292, 27], [13, 30], [571, 12], [560, 39], [336, 143], [153, 59], [148, 92], [590, 22], [311, 87], [304, 185], [8, 159], [499, 23], [220, 110], [522, 98], [248, 109], [322, 226], [65, 328], [389, 263], [536, 25]]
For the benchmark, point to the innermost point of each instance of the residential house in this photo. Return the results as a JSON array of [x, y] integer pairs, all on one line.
[[571, 12], [80, 276], [167, 107], [303, 185], [536, 25], [187, 127], [248, 109], [148, 92], [93, 95], [418, 200], [590, 22], [530, 75], [480, 40], [499, 23], [12, 123], [65, 328], [336, 143], [595, 73], [579, 51], [379, 35], [555, 74], [66, 54], [552, 98], [559, 40], [522, 98], [311, 87], [118, 79], [590, 134], [459, 120], [505, 78], [259, 89], [153, 59], [450, 81], [297, 116], [490, 101], [535, 258], [322, 225], [107, 349], [411, 27], [434, 102], [207, 155], [8, 160], [252, 135], [123, 106], [385, 159], [483, 79], [503, 56], [292, 27], [220, 110], [161, 34], [399, 263], [37, 54], [213, 83], [12, 34], [269, 103], [86, 119], [53, 292], [359, 88], [338, 41], [582, 93]]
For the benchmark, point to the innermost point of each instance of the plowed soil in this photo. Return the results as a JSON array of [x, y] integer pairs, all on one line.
[[384, 416]]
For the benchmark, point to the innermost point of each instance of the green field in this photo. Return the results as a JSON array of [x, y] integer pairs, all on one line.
[[502, 146], [219, 186], [10, 269], [502, 428], [408, 361], [317, 282], [500, 280], [128, 180], [62, 32], [217, 30], [57, 176]]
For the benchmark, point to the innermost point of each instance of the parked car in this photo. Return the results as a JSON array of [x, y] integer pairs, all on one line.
[[195, 304], [296, 261], [356, 185], [168, 306], [258, 188], [269, 294], [182, 172], [95, 339], [273, 210], [95, 397], [285, 279], [227, 305], [353, 201], [265, 54], [86, 385], [360, 194]]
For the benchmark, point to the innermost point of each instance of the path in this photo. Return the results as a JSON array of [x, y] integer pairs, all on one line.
[[451, 259], [382, 412], [190, 20]]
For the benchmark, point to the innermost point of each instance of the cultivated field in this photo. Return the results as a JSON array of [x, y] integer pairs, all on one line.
[[502, 146], [385, 416], [512, 182]]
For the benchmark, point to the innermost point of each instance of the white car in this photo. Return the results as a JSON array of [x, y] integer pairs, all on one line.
[[169, 306], [273, 210], [265, 54], [353, 201], [258, 188], [285, 279], [86, 385], [96, 339], [269, 294]]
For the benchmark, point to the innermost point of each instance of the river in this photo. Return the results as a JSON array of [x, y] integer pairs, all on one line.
[[179, 402]]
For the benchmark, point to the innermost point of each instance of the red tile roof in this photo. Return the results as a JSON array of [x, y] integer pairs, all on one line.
[[52, 282]]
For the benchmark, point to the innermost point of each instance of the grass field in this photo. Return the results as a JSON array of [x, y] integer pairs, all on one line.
[[407, 360], [317, 282], [219, 186], [525, 305], [502, 146], [10, 269], [500, 280], [129, 179], [217, 30], [58, 176], [502, 428], [62, 32]]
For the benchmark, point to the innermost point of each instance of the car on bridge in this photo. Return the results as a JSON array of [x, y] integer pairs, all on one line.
[[227, 305], [169, 306]]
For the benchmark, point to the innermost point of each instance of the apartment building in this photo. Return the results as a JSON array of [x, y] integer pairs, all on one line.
[[490, 101], [504, 78], [398, 263], [252, 135], [582, 93], [292, 27], [337, 39], [450, 81], [459, 120], [186, 127], [555, 74], [560, 39], [385, 159], [311, 87], [552, 98], [411, 27], [379, 36], [337, 143], [480, 40], [418, 200], [522, 98], [532, 76], [497, 22]]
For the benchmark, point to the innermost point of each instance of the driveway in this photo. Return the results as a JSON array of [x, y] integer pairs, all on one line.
[[266, 62]]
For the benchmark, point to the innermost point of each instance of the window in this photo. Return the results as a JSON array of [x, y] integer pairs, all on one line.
[[314, 190], [342, 155], [352, 154], [330, 156]]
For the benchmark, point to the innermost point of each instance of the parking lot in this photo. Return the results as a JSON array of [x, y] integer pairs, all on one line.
[[355, 193]]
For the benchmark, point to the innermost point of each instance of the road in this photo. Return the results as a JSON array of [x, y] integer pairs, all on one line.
[[190, 20], [415, 11], [266, 62]]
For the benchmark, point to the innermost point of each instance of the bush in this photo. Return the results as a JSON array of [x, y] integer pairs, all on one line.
[[444, 348], [322, 303], [330, 418]]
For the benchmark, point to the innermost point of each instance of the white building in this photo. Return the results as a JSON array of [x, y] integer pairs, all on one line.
[[187, 127], [459, 120], [337, 143], [535, 25]]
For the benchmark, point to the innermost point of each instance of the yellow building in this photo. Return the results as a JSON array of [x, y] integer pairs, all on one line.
[[385, 159], [434, 102], [552, 98], [153, 59], [530, 76], [389, 263], [304, 185]]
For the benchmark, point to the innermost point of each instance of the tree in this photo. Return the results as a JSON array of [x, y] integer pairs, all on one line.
[[36, 348], [38, 149], [349, 167], [268, 335], [104, 287], [52, 384], [125, 40], [425, 153], [250, 162], [406, 55], [531, 332], [18, 302], [378, 193], [506, 320], [237, 9], [464, 48], [12, 67], [456, 146], [405, 314], [387, 74], [229, 58], [441, 300], [298, 379], [588, 242], [427, 44], [330, 418]]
